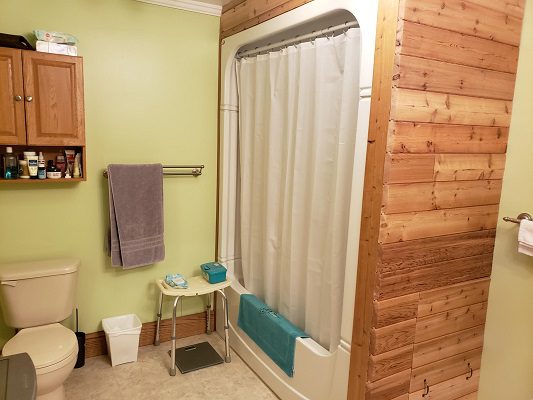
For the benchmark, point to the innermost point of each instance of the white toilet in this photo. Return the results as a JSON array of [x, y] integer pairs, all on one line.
[[34, 297]]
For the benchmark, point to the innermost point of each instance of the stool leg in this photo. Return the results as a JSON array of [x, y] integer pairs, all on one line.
[[226, 325], [173, 349], [156, 341], [208, 312]]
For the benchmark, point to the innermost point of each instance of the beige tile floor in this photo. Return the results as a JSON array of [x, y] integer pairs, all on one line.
[[148, 378]]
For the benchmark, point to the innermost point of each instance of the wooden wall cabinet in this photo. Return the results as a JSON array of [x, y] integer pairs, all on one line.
[[41, 99], [41, 106]]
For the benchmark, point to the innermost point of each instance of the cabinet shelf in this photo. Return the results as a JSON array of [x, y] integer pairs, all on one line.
[[40, 181]]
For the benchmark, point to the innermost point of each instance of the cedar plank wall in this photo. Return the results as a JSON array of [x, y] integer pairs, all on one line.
[[423, 281], [239, 15]]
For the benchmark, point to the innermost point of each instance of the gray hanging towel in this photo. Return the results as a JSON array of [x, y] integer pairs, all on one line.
[[135, 214]]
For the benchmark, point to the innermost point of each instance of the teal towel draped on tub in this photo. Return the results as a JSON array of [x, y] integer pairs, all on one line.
[[274, 334]]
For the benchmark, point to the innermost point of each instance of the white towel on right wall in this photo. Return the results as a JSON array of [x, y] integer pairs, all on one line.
[[525, 237]]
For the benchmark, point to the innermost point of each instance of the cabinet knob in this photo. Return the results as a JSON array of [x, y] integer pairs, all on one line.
[[29, 98], [18, 98]]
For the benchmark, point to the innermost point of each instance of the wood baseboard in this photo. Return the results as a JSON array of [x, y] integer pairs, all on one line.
[[189, 325]]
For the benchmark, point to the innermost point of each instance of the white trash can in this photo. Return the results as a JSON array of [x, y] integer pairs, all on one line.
[[122, 336]]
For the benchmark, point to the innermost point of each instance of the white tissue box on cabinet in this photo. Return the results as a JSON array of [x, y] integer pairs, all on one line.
[[56, 48]]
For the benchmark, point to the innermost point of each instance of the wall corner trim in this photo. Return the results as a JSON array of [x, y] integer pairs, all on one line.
[[188, 5]]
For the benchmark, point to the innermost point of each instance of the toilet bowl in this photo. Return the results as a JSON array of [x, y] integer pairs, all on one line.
[[53, 350], [35, 297]]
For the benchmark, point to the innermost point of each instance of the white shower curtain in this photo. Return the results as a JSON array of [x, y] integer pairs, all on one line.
[[297, 125]]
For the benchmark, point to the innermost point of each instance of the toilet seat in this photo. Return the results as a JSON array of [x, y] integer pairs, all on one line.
[[50, 346]]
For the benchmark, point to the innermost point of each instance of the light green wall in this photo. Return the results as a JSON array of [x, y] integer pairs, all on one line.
[[150, 96], [507, 364]]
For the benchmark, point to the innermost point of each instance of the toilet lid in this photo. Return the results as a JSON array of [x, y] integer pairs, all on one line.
[[46, 345]]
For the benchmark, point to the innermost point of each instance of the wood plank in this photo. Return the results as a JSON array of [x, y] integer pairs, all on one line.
[[455, 296], [388, 388], [228, 6], [424, 224], [257, 19], [470, 396], [448, 346], [235, 15], [465, 167], [406, 168], [188, 325], [392, 311], [440, 195], [247, 10], [418, 168], [392, 337], [390, 363], [464, 16], [418, 253], [438, 76], [452, 389], [380, 107], [514, 8], [444, 45], [408, 137], [451, 321], [95, 344], [402, 397], [445, 369], [432, 276], [422, 106]]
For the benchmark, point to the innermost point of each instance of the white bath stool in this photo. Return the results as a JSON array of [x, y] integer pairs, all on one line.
[[198, 286]]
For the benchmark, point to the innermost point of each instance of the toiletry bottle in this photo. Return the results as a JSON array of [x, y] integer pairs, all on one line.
[[60, 163], [33, 166], [76, 172], [24, 172], [10, 164], [41, 171], [52, 172]]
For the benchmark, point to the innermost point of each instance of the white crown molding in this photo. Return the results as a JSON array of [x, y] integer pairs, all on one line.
[[189, 5]]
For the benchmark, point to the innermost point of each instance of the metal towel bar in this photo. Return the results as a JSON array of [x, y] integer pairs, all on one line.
[[520, 217], [195, 170]]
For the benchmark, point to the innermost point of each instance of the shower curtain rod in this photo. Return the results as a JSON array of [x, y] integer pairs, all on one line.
[[301, 38]]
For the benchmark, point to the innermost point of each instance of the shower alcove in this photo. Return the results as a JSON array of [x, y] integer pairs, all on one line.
[[319, 373]]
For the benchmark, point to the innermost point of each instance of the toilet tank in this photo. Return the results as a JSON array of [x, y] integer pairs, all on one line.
[[38, 292]]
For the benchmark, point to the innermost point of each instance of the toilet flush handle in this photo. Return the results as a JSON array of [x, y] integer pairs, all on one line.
[[9, 283]]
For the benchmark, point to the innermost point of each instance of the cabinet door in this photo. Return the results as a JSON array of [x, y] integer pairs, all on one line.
[[12, 124], [53, 86]]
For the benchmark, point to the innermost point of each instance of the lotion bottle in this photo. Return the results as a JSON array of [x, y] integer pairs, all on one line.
[[41, 172]]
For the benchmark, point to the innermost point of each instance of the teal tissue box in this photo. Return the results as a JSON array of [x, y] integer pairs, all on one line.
[[213, 272]]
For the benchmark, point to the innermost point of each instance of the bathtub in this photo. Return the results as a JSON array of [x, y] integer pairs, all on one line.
[[318, 373]]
